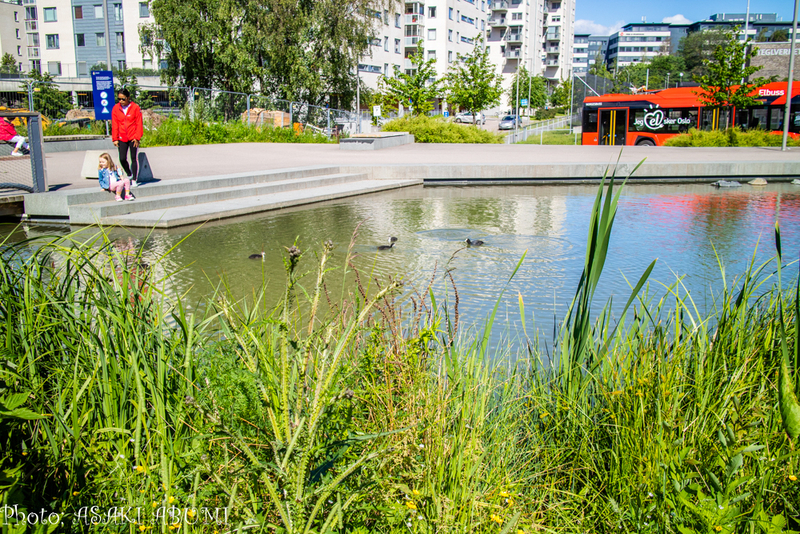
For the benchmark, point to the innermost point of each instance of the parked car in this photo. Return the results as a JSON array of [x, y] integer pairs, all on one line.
[[468, 118], [508, 122]]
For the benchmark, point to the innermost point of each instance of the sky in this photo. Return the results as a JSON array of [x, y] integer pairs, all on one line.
[[604, 17]]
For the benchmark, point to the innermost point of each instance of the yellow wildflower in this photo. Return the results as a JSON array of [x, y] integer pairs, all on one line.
[[74, 493], [171, 499], [792, 478], [155, 504], [497, 519], [718, 528], [545, 414], [615, 393], [139, 468], [411, 505], [142, 528], [190, 513], [504, 494], [639, 393], [415, 492], [510, 502]]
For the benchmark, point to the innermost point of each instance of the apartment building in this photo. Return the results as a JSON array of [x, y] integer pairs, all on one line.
[[12, 32], [637, 42], [66, 38], [581, 59], [537, 34], [446, 29]]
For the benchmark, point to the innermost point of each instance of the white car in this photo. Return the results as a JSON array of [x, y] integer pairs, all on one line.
[[467, 118]]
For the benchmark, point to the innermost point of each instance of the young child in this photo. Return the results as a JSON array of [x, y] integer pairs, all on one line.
[[110, 179], [9, 133]]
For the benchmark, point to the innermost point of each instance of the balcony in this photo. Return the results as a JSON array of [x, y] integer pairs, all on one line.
[[500, 5], [415, 19], [513, 54], [513, 37], [553, 50], [553, 36], [33, 51], [31, 25], [408, 64], [497, 23], [551, 63], [412, 41]]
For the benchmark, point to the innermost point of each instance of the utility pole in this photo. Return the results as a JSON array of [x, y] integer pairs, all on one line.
[[786, 115], [358, 101], [108, 35]]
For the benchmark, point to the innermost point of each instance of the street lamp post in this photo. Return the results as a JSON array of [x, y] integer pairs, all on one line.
[[787, 115]]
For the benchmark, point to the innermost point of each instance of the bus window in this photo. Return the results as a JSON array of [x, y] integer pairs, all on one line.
[[590, 121], [794, 125], [751, 118], [715, 119], [775, 118]]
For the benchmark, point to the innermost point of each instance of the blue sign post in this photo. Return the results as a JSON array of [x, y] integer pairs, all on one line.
[[523, 102], [103, 91]]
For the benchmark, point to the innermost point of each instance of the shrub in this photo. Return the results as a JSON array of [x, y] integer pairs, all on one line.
[[437, 130], [544, 114], [726, 138], [177, 132]]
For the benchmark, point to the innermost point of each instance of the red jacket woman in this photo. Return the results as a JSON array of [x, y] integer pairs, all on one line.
[[126, 126]]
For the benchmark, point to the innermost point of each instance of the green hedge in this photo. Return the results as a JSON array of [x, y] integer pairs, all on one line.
[[437, 130], [729, 137], [177, 132]]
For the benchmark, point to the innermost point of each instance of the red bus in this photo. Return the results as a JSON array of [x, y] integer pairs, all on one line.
[[653, 117]]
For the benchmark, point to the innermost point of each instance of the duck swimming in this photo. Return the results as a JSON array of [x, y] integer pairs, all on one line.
[[259, 256], [475, 243], [392, 241]]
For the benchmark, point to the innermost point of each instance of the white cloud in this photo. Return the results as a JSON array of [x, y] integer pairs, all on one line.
[[676, 19], [592, 28]]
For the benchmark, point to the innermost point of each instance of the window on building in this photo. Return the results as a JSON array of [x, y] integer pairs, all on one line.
[[120, 41], [50, 14], [117, 11], [36, 64], [144, 10], [30, 13], [16, 16], [483, 24], [431, 54], [54, 68], [432, 34], [17, 31], [397, 20], [98, 12], [82, 70], [449, 35], [33, 39], [450, 13], [397, 46], [19, 50], [385, 69], [450, 56], [516, 16], [386, 17], [77, 12], [80, 39], [51, 41], [458, 15], [432, 12], [100, 38], [147, 64], [386, 44]]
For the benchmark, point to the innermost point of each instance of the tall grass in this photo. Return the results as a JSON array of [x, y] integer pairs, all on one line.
[[437, 130], [367, 414], [175, 131], [729, 137]]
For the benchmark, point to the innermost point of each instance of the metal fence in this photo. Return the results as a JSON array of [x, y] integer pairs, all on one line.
[[54, 100], [537, 129], [26, 171]]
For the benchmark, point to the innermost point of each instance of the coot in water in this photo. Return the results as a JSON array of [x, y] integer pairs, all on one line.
[[471, 243], [259, 256], [392, 241]]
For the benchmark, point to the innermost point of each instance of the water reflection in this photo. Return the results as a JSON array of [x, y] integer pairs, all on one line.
[[678, 224]]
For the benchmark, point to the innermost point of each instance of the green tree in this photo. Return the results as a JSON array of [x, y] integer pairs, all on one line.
[[697, 47], [8, 65], [721, 87], [599, 68], [560, 95], [47, 99], [534, 87], [473, 84], [418, 89], [779, 36], [294, 50], [125, 78]]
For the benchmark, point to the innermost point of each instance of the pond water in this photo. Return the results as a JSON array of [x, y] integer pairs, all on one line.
[[687, 227]]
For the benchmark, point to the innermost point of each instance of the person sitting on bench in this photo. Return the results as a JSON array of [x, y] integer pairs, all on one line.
[[9, 133]]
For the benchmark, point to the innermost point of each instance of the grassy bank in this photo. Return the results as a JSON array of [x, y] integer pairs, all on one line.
[[551, 138], [364, 414]]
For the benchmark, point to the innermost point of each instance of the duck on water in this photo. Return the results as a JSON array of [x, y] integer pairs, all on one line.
[[392, 241], [471, 243]]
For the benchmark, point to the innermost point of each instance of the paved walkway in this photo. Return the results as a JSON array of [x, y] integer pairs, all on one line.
[[63, 169]]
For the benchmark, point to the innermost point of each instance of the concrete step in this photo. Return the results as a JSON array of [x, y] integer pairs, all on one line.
[[208, 211], [58, 203], [99, 211]]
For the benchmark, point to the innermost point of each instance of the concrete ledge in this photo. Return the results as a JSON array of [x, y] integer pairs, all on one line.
[[68, 143], [376, 141]]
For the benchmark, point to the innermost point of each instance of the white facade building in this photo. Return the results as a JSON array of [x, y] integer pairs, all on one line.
[[638, 43], [12, 32]]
